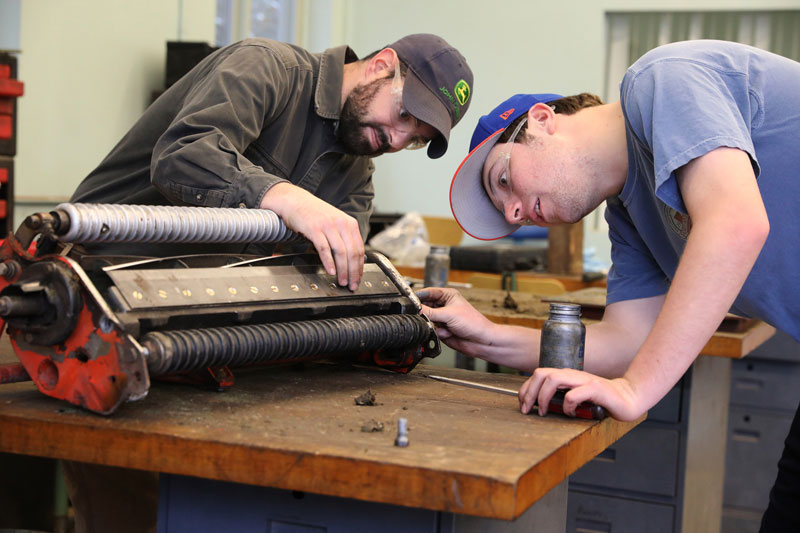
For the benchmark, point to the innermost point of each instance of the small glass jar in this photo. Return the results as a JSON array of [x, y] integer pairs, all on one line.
[[563, 337], [437, 266]]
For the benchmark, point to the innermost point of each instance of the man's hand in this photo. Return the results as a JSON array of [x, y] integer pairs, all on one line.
[[615, 395], [334, 233], [457, 323], [464, 328]]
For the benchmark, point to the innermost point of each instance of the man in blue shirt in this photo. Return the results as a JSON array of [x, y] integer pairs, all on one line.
[[698, 164]]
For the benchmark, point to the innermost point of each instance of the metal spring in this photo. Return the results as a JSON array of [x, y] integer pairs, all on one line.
[[95, 223], [194, 349]]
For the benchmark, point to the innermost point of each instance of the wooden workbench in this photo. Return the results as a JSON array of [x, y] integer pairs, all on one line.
[[735, 339], [704, 465], [571, 282], [471, 452]]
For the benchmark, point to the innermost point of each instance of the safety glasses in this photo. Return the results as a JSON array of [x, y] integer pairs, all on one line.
[[407, 122]]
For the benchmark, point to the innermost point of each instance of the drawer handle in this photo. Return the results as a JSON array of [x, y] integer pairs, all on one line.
[[592, 526], [749, 384], [743, 435]]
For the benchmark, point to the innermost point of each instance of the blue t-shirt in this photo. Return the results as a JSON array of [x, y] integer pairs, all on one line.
[[681, 101]]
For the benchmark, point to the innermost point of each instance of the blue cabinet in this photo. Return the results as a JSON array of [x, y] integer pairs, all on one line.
[[636, 484], [765, 391]]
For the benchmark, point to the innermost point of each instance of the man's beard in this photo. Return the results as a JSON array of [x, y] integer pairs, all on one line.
[[350, 133]]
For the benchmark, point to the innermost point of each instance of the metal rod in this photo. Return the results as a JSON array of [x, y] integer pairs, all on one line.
[[474, 385]]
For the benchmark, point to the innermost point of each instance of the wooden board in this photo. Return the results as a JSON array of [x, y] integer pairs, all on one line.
[[471, 451], [593, 305], [531, 310], [571, 282]]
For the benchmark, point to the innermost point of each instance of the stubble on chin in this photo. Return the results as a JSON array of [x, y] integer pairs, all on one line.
[[576, 192], [353, 121]]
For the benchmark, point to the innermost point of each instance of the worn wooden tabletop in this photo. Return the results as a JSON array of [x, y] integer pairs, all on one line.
[[527, 309], [470, 451]]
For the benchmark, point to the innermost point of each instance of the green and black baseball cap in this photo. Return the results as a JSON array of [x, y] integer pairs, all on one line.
[[438, 85]]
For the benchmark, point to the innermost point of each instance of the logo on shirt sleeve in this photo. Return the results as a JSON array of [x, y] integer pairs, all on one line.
[[680, 223]]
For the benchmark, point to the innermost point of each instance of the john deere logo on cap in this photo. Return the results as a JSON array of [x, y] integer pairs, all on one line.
[[462, 92]]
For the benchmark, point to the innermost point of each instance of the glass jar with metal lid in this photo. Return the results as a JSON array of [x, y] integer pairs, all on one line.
[[563, 337]]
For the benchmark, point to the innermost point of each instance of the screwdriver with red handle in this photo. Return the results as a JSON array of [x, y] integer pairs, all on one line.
[[586, 410]]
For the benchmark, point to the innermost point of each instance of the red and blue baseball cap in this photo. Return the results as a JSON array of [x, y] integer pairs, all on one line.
[[470, 204]]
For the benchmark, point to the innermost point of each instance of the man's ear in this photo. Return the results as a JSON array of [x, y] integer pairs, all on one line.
[[543, 117], [380, 65]]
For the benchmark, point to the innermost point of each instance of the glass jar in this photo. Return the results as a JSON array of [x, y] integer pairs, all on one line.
[[437, 266], [563, 337]]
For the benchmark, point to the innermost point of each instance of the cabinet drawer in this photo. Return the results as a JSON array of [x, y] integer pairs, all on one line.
[[645, 460], [755, 444], [766, 384], [592, 513], [669, 408], [780, 346], [189, 505]]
